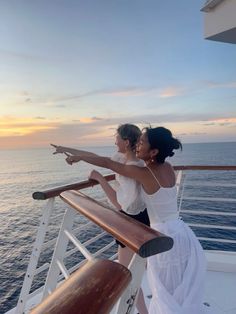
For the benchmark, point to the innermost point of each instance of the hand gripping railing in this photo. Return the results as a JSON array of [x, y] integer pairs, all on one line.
[[94, 288]]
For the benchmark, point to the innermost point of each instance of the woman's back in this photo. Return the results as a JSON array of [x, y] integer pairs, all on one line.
[[162, 204]]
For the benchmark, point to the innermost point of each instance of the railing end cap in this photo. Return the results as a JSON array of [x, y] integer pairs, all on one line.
[[39, 196], [156, 246]]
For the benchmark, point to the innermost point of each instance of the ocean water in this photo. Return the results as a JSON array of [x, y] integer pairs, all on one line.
[[23, 172]]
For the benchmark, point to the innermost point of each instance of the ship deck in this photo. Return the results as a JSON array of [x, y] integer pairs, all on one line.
[[220, 283], [218, 218]]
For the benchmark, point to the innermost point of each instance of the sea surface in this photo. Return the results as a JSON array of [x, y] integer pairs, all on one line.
[[23, 172]]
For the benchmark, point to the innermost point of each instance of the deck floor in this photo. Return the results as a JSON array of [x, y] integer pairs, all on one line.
[[220, 296], [221, 292]]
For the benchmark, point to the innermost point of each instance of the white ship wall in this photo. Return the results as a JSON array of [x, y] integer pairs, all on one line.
[[220, 21]]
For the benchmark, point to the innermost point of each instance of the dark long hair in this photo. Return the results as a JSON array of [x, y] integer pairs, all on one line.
[[161, 138]]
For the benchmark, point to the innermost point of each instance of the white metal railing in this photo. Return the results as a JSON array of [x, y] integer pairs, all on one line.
[[58, 264], [209, 225], [57, 268], [29, 276], [204, 212]]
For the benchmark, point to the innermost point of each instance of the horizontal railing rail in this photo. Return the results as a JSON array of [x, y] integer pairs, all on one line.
[[211, 199], [43, 195], [86, 291], [137, 236], [207, 212]]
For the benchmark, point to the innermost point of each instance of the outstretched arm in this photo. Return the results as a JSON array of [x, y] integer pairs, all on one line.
[[131, 171], [72, 151], [109, 191]]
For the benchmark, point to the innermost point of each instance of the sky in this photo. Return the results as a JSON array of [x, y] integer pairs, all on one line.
[[71, 71]]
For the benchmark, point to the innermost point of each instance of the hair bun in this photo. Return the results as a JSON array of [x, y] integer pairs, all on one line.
[[176, 143], [171, 154]]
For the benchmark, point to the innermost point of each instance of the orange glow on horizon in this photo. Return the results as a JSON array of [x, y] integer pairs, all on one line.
[[39, 132], [224, 120], [86, 120], [11, 126]]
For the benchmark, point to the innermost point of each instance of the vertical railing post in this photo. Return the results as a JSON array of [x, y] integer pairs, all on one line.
[[127, 302], [180, 182], [179, 177], [59, 252], [29, 276]]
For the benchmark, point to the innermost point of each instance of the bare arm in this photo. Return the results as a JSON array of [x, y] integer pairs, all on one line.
[[135, 172], [72, 151], [109, 191]]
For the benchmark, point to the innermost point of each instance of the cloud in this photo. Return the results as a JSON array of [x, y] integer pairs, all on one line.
[[60, 106], [162, 118], [12, 126], [221, 122], [118, 92], [129, 91], [112, 122], [209, 123], [39, 131], [39, 118], [171, 92], [24, 56], [213, 84], [190, 134], [226, 120], [87, 120], [97, 119]]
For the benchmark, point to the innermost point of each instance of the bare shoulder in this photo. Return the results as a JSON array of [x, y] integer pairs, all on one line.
[[167, 175], [168, 166]]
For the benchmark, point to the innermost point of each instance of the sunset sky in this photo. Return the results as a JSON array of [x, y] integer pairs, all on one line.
[[71, 71]]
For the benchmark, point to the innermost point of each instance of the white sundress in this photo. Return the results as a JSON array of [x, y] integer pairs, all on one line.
[[176, 277]]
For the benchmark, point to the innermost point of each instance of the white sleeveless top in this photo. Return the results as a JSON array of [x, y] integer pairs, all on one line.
[[128, 191], [161, 205], [176, 277]]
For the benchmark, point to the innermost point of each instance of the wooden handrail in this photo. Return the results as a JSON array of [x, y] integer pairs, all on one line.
[[137, 236], [93, 288], [43, 195]]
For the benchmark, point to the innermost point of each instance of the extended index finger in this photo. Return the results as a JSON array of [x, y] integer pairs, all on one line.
[[53, 145]]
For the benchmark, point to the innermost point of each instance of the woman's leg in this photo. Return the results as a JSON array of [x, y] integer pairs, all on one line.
[[125, 255]]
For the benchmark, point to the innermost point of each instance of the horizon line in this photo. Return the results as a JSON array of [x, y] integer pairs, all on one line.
[[97, 146]]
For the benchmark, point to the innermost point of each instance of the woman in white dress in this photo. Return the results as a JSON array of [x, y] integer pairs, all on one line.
[[176, 277], [125, 195]]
